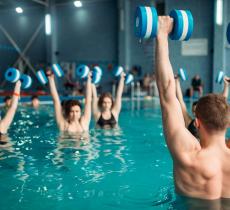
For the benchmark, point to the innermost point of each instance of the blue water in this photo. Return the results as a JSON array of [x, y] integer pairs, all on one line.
[[126, 168]]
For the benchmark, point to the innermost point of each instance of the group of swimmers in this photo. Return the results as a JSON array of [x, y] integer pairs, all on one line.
[[194, 176], [106, 111], [68, 113], [69, 116]]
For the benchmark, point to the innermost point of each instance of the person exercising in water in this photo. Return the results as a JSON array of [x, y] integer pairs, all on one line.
[[194, 176], [9, 116], [69, 117], [105, 110]]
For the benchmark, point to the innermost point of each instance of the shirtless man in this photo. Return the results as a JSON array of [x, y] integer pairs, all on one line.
[[201, 169]]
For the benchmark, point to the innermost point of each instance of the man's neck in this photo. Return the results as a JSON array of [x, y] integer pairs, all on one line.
[[208, 139]]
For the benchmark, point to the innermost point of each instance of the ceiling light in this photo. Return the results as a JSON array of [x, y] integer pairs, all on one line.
[[219, 12], [19, 10], [48, 24], [77, 4]]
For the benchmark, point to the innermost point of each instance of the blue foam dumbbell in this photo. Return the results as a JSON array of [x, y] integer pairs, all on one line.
[[182, 73], [117, 72], [228, 33], [182, 25], [96, 74], [42, 77], [13, 75], [82, 71], [146, 23], [129, 79], [220, 77], [57, 70], [26, 81]]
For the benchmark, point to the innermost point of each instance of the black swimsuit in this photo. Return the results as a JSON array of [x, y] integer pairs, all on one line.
[[192, 128], [110, 123], [2, 142]]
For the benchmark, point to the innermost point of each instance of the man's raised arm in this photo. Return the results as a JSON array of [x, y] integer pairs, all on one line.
[[177, 136]]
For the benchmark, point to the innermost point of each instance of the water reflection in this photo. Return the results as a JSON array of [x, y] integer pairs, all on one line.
[[73, 146], [12, 162], [97, 154], [186, 203]]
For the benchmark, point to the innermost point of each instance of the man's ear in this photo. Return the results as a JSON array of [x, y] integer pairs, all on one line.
[[197, 123]]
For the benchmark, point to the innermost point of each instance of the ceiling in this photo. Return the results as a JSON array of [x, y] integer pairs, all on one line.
[[7, 4]]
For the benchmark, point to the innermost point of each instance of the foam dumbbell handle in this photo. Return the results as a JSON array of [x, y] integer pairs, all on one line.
[[26, 81], [220, 77], [128, 79], [82, 71], [57, 70], [12, 75], [41, 77], [182, 74], [146, 22]]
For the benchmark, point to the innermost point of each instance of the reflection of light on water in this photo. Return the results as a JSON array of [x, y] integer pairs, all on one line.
[[106, 167], [10, 154], [77, 147], [164, 196], [89, 153]]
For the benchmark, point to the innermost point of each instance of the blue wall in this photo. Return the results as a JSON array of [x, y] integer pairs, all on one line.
[[100, 33], [89, 35]]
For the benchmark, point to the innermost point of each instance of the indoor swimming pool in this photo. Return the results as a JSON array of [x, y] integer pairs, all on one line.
[[125, 168]]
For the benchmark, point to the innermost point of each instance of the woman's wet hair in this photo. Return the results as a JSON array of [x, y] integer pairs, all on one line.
[[68, 104], [102, 97]]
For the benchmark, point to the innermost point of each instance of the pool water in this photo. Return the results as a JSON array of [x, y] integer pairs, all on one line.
[[125, 168]]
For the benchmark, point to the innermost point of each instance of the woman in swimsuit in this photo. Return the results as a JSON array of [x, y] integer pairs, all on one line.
[[105, 110], [9, 116], [69, 117]]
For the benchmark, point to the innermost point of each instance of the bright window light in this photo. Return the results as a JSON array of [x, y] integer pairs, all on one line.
[[77, 4], [19, 10], [48, 24], [219, 12]]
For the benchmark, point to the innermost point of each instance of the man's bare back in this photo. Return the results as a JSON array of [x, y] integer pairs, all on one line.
[[204, 173]]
